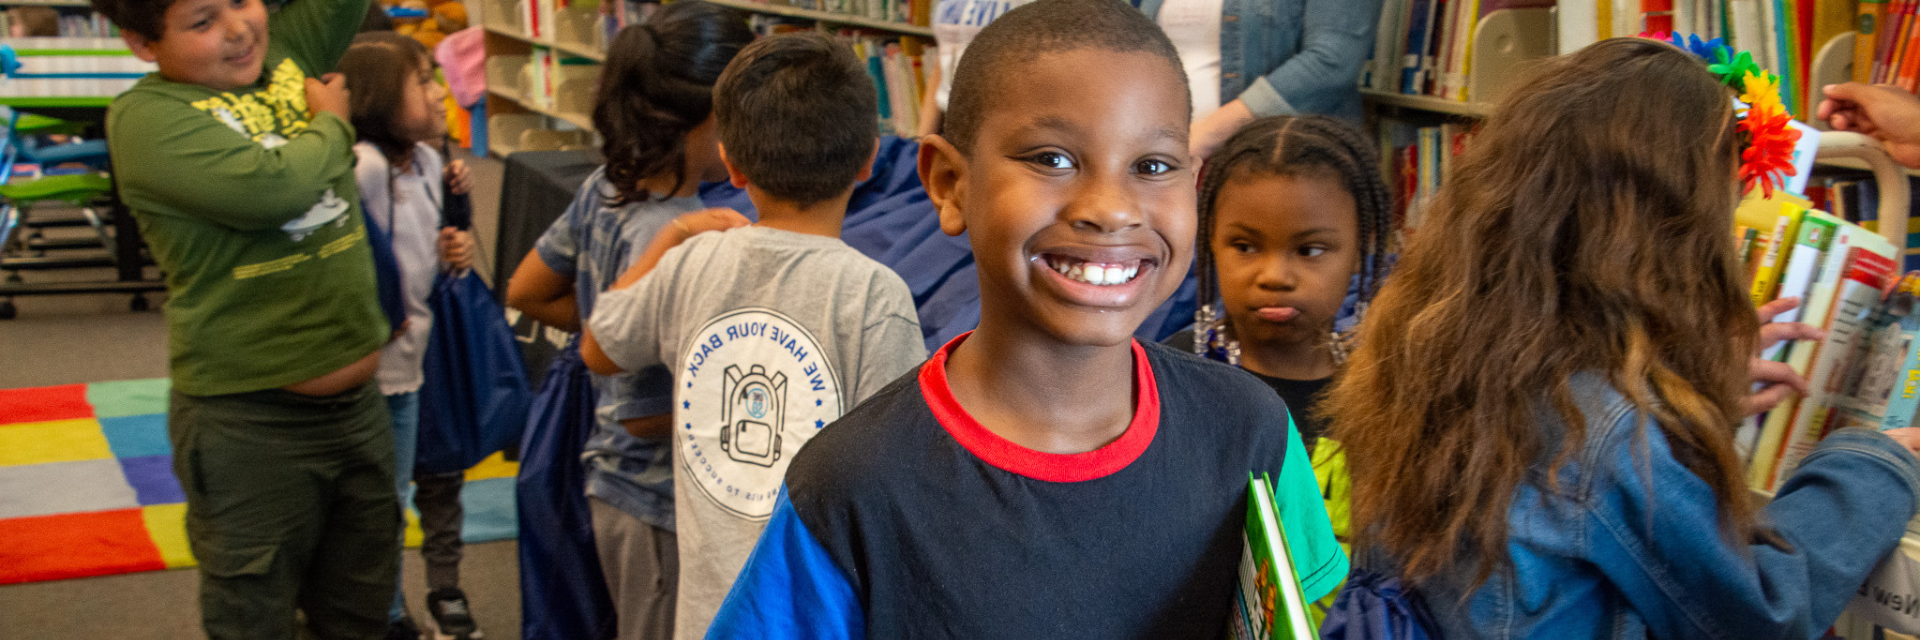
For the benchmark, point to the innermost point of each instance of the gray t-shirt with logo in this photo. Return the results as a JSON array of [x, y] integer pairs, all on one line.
[[770, 335]]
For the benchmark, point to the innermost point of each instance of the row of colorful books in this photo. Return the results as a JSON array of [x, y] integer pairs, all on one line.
[[1415, 159], [897, 64], [1887, 50], [1866, 371], [1422, 47], [911, 12]]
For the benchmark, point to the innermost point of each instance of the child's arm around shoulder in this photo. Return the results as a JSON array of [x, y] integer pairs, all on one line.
[[316, 33], [612, 329], [176, 156]]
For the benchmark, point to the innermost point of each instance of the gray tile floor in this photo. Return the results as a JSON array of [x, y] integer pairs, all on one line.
[[76, 339]]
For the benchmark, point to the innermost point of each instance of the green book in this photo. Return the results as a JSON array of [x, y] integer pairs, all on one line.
[[1268, 602]]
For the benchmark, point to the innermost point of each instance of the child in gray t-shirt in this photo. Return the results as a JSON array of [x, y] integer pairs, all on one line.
[[771, 331]]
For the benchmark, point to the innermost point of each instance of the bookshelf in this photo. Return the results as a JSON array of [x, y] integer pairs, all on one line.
[[543, 59], [1429, 104], [594, 52]]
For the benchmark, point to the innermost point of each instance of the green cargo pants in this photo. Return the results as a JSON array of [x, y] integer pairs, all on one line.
[[290, 504]]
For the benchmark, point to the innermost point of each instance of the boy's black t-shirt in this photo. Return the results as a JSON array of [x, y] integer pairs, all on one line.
[[907, 519]]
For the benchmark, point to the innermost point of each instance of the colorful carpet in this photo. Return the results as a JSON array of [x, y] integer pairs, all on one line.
[[87, 485]]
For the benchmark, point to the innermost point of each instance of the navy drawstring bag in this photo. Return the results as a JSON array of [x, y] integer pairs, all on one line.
[[563, 595], [474, 392], [1375, 606], [386, 270]]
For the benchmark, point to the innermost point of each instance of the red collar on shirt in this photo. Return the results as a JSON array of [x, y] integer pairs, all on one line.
[[1040, 465]]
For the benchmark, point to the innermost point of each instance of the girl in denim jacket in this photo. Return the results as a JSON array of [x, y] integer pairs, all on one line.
[[1539, 416]]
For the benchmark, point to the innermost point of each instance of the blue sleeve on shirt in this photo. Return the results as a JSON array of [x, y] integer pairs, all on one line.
[[790, 589], [559, 247]]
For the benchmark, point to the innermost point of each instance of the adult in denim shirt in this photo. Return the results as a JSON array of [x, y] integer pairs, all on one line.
[[1540, 428], [1276, 57]]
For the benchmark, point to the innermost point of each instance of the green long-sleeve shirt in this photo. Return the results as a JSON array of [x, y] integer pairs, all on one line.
[[251, 209]]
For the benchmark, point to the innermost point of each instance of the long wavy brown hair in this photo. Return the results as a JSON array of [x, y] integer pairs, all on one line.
[[1584, 230]]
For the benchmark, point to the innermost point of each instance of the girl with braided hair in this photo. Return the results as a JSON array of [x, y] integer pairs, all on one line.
[[1295, 222], [654, 112]]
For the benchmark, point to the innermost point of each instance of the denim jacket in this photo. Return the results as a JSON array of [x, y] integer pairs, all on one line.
[[1629, 546], [1293, 56]]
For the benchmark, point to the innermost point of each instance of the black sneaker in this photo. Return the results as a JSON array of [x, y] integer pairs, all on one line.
[[403, 629], [452, 620]]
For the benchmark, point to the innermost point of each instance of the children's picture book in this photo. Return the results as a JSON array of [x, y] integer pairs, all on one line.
[[1882, 386], [1268, 602]]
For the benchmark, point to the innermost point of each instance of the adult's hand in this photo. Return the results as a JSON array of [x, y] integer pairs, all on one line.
[[1885, 112], [1211, 131]]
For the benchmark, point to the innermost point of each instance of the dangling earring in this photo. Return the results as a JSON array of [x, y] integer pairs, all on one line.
[[1210, 339], [1340, 343]]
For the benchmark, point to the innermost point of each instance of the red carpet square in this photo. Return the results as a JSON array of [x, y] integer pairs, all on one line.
[[40, 404], [75, 545]]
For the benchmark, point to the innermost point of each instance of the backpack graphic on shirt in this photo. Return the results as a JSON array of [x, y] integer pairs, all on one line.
[[749, 400], [753, 386]]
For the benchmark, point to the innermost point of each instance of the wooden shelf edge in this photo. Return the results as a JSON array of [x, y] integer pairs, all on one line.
[[582, 121], [1427, 103], [828, 16], [568, 47]]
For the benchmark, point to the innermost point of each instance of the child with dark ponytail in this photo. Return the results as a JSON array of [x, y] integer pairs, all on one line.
[[1295, 224], [654, 113]]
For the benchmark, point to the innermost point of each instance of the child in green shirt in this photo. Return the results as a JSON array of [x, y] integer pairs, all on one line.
[[237, 163]]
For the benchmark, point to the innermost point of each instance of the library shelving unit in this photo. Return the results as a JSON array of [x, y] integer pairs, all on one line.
[[544, 59], [542, 62]]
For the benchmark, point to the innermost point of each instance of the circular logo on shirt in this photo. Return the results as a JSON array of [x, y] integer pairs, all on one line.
[[754, 387]]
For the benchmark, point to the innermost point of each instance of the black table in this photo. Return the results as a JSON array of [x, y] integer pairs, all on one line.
[[535, 189]]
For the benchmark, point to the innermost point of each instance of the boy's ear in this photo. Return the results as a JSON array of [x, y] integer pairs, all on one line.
[[943, 170], [734, 176], [142, 48], [866, 170]]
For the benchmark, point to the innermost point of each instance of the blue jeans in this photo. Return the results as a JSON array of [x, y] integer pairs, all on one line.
[[405, 410]]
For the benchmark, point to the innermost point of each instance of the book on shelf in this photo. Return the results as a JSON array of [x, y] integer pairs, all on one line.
[[1855, 197], [1416, 160], [1424, 47], [1268, 603], [916, 13], [1784, 36]]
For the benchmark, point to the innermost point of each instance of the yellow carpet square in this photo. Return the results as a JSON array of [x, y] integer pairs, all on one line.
[[414, 535], [495, 466], [167, 524], [53, 441]]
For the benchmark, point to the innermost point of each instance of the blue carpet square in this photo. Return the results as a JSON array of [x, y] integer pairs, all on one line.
[[152, 480], [137, 436]]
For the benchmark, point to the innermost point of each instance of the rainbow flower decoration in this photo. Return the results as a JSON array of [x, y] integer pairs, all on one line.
[[1768, 158]]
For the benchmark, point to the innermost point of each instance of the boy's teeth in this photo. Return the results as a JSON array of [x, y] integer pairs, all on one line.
[[1093, 273]]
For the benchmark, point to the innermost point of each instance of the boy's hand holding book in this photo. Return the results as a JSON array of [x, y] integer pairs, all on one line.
[[328, 94]]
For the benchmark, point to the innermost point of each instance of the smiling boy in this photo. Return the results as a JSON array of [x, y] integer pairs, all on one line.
[[1045, 476], [238, 165]]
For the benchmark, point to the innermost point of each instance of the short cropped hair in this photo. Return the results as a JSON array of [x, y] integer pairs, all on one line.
[[144, 17], [1046, 27], [798, 116]]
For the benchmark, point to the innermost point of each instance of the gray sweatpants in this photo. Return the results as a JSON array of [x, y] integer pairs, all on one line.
[[642, 566]]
